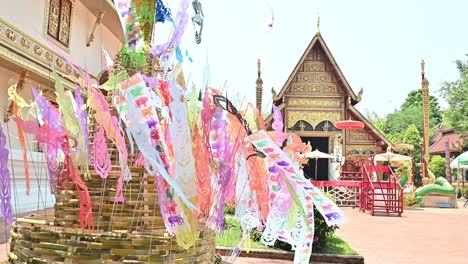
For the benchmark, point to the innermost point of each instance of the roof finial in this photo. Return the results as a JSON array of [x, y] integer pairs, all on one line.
[[423, 74], [318, 22], [259, 63], [259, 87]]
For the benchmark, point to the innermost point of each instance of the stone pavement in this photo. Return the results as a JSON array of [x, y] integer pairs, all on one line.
[[261, 261], [429, 235]]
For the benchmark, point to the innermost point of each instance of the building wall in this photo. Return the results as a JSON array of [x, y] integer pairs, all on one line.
[[30, 15], [39, 197]]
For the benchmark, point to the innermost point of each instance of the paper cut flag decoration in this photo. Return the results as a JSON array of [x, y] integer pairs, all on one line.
[[102, 162], [5, 189]]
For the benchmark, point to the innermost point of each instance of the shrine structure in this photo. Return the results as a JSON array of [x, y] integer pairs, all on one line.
[[316, 96]]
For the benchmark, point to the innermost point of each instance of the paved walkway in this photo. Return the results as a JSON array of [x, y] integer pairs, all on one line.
[[429, 235], [261, 261]]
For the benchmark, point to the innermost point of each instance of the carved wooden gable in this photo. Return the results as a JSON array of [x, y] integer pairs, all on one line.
[[316, 76], [314, 92]]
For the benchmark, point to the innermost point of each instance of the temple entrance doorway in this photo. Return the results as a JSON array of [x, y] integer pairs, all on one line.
[[320, 143]]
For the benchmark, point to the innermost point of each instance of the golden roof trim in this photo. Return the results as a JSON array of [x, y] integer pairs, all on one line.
[[17, 40], [371, 126], [313, 42], [32, 66]]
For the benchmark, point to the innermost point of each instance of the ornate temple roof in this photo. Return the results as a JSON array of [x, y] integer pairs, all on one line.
[[340, 79], [442, 136], [318, 40]]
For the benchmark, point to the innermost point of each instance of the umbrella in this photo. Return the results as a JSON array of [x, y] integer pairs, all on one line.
[[461, 161], [350, 125], [390, 156], [316, 154]]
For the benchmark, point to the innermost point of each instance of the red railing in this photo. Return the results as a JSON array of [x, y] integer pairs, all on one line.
[[351, 171], [380, 196]]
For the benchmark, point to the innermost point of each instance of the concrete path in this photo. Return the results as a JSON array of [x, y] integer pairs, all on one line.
[[429, 235]]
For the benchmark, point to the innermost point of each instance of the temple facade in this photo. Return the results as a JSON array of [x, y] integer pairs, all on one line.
[[315, 97]]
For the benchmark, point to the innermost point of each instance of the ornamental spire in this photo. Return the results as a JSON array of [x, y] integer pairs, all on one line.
[[259, 87], [318, 22]]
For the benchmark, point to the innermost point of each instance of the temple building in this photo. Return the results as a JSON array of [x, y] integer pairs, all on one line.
[[316, 96], [29, 29], [446, 135]]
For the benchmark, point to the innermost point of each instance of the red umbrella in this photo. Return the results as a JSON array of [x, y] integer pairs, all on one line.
[[350, 125]]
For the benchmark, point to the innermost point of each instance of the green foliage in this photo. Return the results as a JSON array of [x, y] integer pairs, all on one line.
[[233, 234], [414, 100], [411, 113], [437, 166], [321, 233], [322, 230], [326, 242], [456, 95], [412, 136], [230, 209], [336, 245]]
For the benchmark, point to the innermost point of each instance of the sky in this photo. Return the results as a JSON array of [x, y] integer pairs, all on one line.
[[378, 45]]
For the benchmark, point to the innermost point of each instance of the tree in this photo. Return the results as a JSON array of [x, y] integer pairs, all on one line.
[[412, 136], [411, 113], [437, 166], [414, 99], [376, 120], [456, 94]]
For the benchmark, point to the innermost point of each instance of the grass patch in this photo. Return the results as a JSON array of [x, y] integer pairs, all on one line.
[[335, 245], [233, 235]]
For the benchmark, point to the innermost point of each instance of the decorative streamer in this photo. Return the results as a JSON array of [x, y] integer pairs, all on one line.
[[278, 119], [51, 117], [246, 206], [18, 101], [102, 162], [5, 188], [108, 61], [162, 12], [50, 113], [86, 209], [50, 140], [258, 183], [269, 25], [184, 165], [114, 79], [260, 120], [130, 23], [143, 116], [448, 171], [179, 29], [82, 116], [52, 167], [167, 187], [114, 132], [303, 194], [72, 127], [203, 170], [220, 147]]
